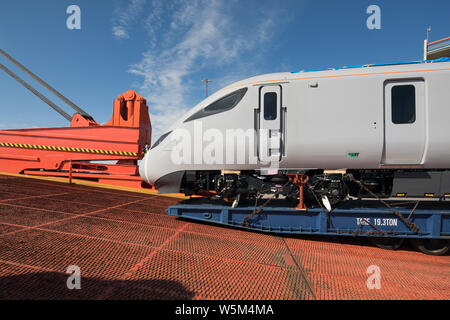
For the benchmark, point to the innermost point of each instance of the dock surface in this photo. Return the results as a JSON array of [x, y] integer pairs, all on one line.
[[128, 247]]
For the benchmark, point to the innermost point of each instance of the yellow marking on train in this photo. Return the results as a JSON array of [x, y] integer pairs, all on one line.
[[331, 76]]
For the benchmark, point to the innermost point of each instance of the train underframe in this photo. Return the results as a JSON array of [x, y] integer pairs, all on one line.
[[326, 189], [333, 186]]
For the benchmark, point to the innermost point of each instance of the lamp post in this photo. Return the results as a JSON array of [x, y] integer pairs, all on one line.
[[425, 45], [206, 81]]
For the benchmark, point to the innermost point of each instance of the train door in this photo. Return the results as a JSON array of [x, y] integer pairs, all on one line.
[[404, 122], [270, 124]]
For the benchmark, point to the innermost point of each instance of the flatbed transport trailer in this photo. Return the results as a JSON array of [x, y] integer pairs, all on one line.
[[425, 223]]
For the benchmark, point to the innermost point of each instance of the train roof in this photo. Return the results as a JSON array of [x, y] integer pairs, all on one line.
[[328, 72], [443, 59]]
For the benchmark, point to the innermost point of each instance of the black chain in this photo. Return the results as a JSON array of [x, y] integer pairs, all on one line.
[[260, 209], [411, 225], [324, 211]]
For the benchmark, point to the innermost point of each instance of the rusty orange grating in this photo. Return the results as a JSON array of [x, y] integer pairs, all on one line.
[[127, 247]]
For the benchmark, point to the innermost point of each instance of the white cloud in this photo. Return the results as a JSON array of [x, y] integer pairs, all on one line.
[[120, 32], [188, 39], [124, 18]]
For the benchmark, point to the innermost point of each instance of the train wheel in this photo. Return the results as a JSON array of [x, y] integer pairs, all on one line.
[[387, 243], [434, 247]]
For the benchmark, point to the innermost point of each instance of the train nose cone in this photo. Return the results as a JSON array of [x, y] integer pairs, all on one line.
[[145, 169], [157, 169]]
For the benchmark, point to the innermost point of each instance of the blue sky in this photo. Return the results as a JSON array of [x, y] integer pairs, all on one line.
[[162, 49]]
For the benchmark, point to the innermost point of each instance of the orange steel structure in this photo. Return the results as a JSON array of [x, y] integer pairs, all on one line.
[[68, 151]]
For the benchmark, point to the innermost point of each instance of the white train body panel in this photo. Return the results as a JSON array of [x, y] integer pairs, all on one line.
[[328, 120]]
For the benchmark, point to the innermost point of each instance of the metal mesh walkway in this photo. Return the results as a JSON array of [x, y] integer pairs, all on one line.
[[127, 247]]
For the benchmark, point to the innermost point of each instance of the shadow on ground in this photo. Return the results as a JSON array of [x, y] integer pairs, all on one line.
[[344, 239], [53, 285]]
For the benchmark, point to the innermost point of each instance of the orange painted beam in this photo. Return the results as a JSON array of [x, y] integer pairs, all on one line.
[[48, 151]]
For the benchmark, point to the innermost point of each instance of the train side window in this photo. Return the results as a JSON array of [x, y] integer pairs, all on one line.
[[160, 139], [403, 103], [225, 103], [270, 106]]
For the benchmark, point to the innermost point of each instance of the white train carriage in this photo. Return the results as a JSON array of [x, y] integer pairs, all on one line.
[[385, 125]]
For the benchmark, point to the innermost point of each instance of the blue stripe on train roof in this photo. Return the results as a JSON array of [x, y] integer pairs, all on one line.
[[443, 59]]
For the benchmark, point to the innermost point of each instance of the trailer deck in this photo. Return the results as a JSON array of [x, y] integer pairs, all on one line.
[[396, 219], [128, 247]]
